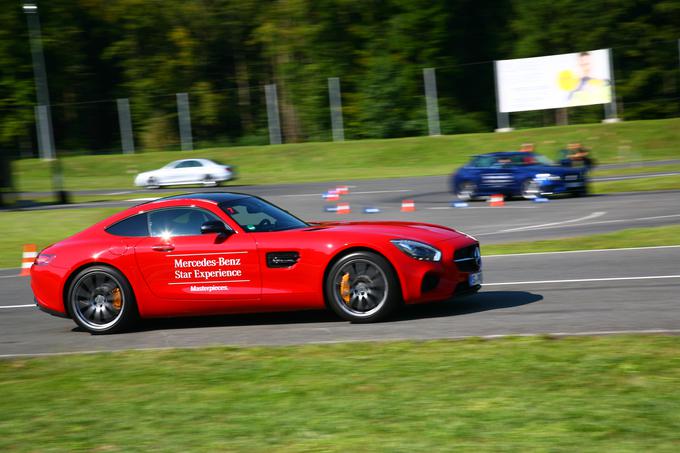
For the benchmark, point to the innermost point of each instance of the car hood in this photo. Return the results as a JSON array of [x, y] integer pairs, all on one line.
[[425, 232]]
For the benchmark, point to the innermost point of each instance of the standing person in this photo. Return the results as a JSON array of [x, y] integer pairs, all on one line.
[[527, 147]]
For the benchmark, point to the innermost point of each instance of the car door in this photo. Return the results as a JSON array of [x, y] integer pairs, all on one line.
[[496, 176], [208, 271], [189, 171]]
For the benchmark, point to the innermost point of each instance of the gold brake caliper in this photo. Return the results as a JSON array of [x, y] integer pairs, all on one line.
[[344, 288], [117, 300]]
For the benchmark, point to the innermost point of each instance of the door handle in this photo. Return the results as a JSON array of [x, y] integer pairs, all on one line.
[[163, 248]]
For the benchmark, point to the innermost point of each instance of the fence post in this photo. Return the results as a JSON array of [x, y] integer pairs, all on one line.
[[431, 101], [335, 101], [125, 123], [610, 110], [502, 118], [273, 114], [42, 122], [184, 116]]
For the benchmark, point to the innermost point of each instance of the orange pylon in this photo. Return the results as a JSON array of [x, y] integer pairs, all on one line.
[[408, 206], [497, 200], [343, 208], [30, 252]]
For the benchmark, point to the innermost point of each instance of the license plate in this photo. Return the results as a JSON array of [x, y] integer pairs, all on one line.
[[475, 279]]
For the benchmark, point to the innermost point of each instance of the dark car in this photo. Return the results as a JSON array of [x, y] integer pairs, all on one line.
[[515, 173]]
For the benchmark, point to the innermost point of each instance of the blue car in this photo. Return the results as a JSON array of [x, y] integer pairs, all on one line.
[[517, 174]]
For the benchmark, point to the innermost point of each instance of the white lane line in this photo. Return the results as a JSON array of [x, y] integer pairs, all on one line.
[[601, 222], [144, 199], [483, 207], [544, 225], [623, 249], [11, 276], [18, 306], [351, 193], [583, 280]]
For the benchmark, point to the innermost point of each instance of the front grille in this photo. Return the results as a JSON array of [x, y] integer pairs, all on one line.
[[468, 259]]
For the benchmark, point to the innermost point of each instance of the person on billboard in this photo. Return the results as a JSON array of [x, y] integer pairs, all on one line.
[[589, 90]]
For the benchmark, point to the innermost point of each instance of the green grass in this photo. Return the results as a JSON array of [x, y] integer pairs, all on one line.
[[515, 394], [417, 156], [635, 169], [630, 237], [637, 185], [42, 228]]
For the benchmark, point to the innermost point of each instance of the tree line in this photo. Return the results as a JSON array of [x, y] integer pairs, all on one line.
[[222, 52]]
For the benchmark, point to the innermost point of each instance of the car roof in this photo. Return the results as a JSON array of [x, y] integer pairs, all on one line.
[[215, 197], [505, 154]]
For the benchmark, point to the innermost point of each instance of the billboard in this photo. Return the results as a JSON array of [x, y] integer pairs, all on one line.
[[554, 81]]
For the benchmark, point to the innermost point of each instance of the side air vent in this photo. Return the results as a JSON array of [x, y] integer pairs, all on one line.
[[282, 259]]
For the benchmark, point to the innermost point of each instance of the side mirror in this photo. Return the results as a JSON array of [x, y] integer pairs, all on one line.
[[215, 226]]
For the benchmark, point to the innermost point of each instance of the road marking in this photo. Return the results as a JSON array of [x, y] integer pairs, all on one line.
[[351, 193], [10, 276], [145, 199], [585, 251], [18, 306], [543, 225], [601, 222], [583, 280], [484, 207]]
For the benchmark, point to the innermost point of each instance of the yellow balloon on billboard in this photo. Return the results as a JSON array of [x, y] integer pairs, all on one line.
[[567, 80]]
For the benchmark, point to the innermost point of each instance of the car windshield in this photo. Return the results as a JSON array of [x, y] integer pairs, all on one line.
[[255, 215]]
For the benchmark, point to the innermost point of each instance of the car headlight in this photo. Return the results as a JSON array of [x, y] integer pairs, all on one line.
[[546, 177], [418, 250]]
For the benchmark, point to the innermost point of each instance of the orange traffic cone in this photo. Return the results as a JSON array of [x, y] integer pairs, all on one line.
[[342, 190], [408, 206], [497, 200], [343, 208], [30, 252]]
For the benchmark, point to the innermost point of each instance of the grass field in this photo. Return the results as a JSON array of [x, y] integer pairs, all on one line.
[[514, 394], [417, 156], [630, 237]]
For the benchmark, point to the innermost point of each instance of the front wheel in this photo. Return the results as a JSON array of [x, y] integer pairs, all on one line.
[[100, 300], [362, 287], [530, 189]]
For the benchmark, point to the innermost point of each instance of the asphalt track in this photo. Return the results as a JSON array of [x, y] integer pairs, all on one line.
[[561, 293]]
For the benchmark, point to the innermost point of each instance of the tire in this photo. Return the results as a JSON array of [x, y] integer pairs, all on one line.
[[530, 189], [370, 291], [152, 183], [101, 301], [209, 181], [466, 191]]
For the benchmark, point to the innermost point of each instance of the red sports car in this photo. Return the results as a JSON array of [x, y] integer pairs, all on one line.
[[218, 253]]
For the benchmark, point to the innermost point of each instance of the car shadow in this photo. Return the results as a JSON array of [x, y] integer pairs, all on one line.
[[482, 301], [475, 303]]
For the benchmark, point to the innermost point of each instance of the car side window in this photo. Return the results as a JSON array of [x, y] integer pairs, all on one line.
[[188, 164], [178, 221], [134, 226]]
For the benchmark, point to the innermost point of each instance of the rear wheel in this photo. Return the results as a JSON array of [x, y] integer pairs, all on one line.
[[362, 287], [466, 191], [100, 300], [209, 181]]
